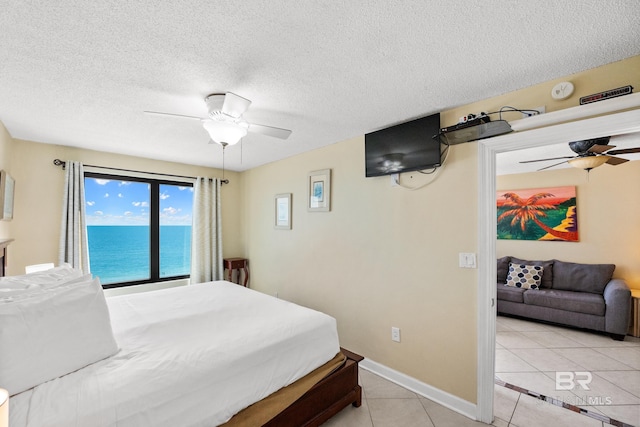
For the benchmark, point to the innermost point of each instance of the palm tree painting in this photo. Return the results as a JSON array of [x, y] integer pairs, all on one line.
[[538, 214]]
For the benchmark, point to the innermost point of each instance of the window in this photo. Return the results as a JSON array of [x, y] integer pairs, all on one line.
[[139, 230]]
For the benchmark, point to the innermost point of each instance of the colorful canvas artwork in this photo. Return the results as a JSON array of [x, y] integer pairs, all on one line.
[[538, 214]]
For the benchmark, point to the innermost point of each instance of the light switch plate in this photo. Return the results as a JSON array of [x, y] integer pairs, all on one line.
[[467, 260]]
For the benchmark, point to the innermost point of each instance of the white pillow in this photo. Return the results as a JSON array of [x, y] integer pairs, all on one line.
[[54, 276], [48, 334], [10, 294]]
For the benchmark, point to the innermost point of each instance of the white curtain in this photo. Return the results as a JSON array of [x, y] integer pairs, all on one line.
[[74, 248], [206, 232]]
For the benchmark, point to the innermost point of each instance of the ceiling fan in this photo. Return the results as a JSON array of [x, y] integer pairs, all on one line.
[[224, 122], [590, 153]]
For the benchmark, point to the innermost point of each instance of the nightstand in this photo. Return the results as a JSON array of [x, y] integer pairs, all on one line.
[[231, 264]]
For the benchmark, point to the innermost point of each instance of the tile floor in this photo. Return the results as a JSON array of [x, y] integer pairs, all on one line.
[[385, 404], [527, 355]]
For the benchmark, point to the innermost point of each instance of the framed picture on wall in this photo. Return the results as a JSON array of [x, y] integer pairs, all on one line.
[[283, 211], [543, 214], [7, 187], [319, 191]]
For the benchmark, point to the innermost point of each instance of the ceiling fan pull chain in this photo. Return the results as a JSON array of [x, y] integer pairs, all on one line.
[[223, 147]]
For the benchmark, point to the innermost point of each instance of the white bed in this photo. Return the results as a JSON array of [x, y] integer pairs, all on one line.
[[188, 356]]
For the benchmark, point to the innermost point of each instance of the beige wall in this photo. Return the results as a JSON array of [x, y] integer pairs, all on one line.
[[608, 207], [388, 257], [384, 256], [39, 188]]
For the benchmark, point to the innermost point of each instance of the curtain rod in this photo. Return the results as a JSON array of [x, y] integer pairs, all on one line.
[[62, 163]]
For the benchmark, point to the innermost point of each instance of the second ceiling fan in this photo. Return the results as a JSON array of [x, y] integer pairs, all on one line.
[[590, 153]]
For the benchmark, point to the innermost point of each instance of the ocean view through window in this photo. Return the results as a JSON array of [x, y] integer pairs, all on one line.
[[139, 230]]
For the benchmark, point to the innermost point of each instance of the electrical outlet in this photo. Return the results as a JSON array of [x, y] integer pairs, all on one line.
[[531, 112], [395, 334]]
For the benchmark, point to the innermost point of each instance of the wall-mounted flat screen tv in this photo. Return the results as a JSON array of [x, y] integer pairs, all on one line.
[[406, 147]]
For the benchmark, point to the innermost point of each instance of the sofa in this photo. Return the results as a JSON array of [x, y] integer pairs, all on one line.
[[566, 293]]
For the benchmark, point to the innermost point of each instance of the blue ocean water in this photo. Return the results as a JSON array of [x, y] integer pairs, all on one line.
[[120, 253]]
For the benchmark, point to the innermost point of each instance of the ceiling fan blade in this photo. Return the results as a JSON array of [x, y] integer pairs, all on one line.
[[625, 151], [548, 167], [599, 149], [544, 160], [616, 161], [270, 131], [182, 116], [234, 105]]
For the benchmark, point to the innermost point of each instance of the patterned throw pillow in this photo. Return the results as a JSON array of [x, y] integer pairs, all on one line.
[[524, 276]]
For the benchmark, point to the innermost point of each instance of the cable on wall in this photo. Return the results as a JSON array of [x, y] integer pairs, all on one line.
[[434, 172]]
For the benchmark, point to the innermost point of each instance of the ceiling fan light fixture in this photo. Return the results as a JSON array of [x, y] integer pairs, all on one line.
[[229, 133], [588, 162]]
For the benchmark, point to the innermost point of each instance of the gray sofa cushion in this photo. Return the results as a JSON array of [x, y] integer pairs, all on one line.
[[547, 274], [509, 293], [503, 268], [579, 302], [569, 276]]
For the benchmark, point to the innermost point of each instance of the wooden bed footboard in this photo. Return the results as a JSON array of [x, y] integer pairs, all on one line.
[[326, 398]]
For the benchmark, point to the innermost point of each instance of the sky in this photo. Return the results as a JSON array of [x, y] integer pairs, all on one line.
[[115, 202]]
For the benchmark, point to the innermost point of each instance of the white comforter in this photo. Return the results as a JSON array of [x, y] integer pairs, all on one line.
[[189, 356]]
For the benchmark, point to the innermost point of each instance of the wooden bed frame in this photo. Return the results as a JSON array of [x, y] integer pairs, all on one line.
[[326, 398]]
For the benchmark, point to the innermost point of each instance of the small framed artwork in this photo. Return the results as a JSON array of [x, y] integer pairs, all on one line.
[[7, 185], [319, 191], [283, 211]]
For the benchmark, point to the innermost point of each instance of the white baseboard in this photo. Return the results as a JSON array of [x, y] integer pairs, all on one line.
[[445, 399]]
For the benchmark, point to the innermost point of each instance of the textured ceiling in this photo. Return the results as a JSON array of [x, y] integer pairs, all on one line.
[[81, 73]]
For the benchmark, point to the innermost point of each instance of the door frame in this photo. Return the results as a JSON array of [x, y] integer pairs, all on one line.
[[612, 124]]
